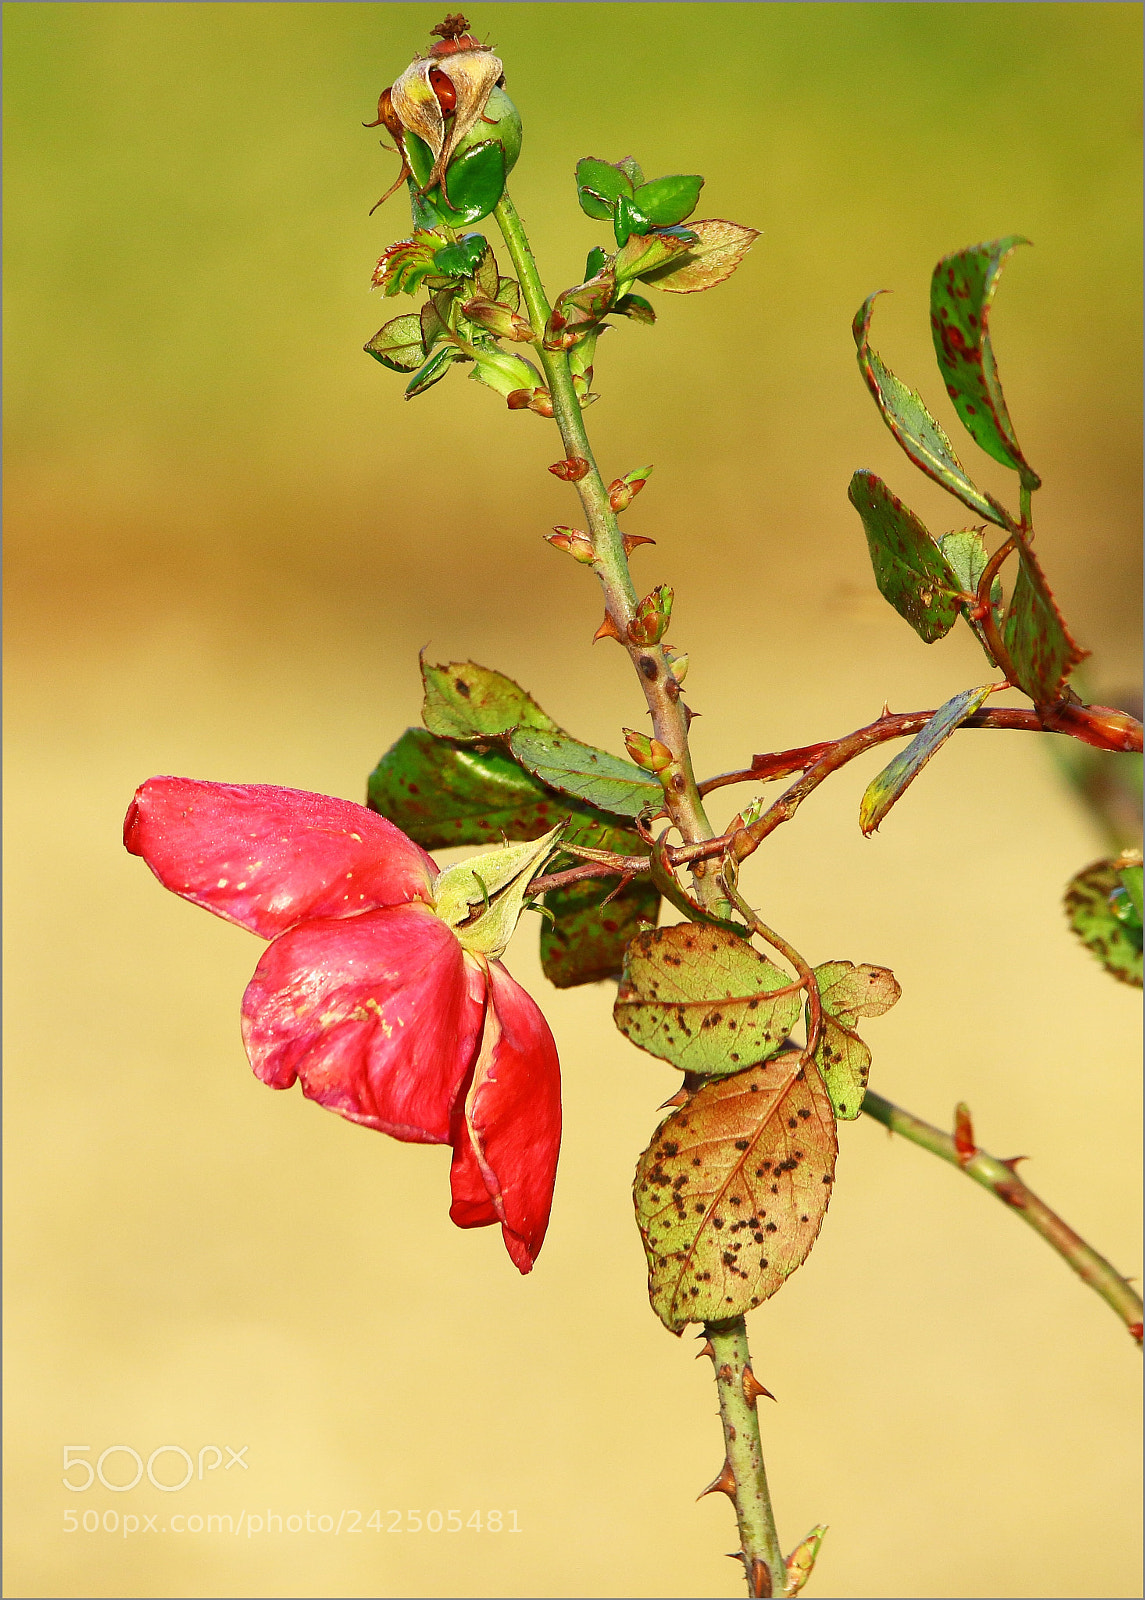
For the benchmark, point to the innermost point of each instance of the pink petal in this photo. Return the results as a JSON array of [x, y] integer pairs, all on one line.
[[267, 858], [379, 1016], [513, 1123]]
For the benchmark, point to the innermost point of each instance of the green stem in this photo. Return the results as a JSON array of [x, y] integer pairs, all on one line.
[[744, 1476], [1003, 1182], [762, 1558], [662, 692]]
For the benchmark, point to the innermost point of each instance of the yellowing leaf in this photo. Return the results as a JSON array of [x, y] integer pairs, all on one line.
[[732, 1191]]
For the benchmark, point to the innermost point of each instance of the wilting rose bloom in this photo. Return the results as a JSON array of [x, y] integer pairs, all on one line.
[[380, 991]]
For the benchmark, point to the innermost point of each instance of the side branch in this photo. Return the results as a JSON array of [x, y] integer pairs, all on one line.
[[1002, 1180]]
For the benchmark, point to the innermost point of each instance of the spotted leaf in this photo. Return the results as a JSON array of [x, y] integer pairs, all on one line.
[[911, 571], [1103, 904], [703, 999], [1041, 647], [961, 292], [848, 992], [732, 1191]]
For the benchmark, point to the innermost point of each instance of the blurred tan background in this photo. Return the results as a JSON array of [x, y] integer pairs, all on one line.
[[228, 537]]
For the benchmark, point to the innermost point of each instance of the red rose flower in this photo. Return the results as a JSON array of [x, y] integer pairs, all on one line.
[[380, 991]]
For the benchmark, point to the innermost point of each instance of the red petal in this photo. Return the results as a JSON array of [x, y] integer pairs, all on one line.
[[267, 858], [513, 1123], [378, 1015]]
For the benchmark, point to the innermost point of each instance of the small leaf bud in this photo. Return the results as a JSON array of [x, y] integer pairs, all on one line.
[[498, 319], [801, 1561], [647, 753], [653, 615], [964, 1133], [538, 400], [622, 491], [677, 662], [577, 544], [570, 471]]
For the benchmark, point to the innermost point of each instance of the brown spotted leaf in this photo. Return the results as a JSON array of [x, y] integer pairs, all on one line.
[[1040, 645], [718, 249], [1103, 904], [846, 993], [732, 1191], [703, 999], [587, 939]]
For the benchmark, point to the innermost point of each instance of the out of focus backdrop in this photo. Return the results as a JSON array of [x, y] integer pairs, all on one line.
[[228, 538]]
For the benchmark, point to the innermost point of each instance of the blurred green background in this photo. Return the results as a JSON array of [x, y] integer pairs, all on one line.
[[228, 537]]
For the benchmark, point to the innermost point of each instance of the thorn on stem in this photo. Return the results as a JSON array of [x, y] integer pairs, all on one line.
[[1012, 1163], [723, 1483], [1136, 1330], [708, 1350], [632, 540], [752, 1388], [725, 1374], [607, 629]]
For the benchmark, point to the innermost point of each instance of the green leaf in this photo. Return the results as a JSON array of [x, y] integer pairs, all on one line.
[[404, 265], [475, 179], [596, 262], [848, 992], [444, 794], [1096, 903], [702, 999], [399, 344], [1035, 634], [433, 371], [916, 430], [633, 169], [627, 219], [600, 185], [666, 201], [911, 571], [732, 1191], [717, 249], [587, 939], [961, 292], [594, 775], [967, 555], [636, 307], [485, 273], [465, 701], [462, 258], [882, 792], [509, 293], [646, 253]]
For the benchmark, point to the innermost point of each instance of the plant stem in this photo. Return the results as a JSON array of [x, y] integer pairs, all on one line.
[[762, 1558], [759, 1542], [1001, 1179], [661, 691]]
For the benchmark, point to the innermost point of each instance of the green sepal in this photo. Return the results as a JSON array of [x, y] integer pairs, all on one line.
[[961, 291], [666, 201], [595, 263], [911, 571], [399, 344], [475, 180], [433, 371]]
